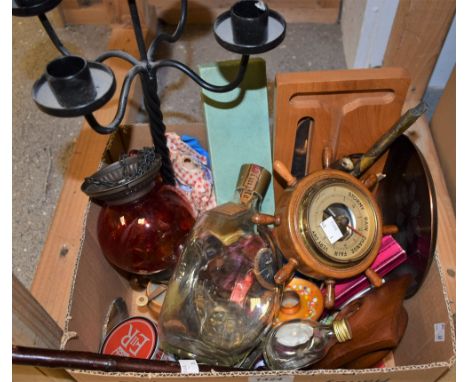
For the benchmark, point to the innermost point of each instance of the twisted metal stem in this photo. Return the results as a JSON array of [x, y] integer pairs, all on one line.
[[157, 127]]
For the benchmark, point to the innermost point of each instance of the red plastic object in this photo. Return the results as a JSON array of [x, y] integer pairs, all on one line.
[[136, 337]]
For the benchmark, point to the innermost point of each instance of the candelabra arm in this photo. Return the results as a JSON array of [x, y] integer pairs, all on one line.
[[137, 28], [200, 81], [52, 35], [111, 127], [170, 37], [118, 54]]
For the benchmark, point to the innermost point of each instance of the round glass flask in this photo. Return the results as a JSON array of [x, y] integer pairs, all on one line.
[[299, 343], [222, 297], [143, 223]]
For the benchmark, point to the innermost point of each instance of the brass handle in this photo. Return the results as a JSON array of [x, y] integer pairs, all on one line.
[[374, 278], [264, 219], [285, 272], [284, 173], [330, 294], [389, 229]]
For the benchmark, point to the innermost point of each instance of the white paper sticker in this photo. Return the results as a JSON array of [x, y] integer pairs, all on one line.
[[272, 378], [439, 332], [188, 366], [331, 229]]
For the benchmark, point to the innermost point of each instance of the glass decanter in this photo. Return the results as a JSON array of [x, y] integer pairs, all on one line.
[[143, 223], [222, 297], [299, 343]]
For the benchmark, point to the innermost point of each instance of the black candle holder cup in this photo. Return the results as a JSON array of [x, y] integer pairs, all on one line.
[[70, 80], [33, 7], [249, 22], [26, 3]]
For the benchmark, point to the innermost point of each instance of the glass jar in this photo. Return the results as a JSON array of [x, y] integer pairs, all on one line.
[[299, 343], [222, 297], [143, 223]]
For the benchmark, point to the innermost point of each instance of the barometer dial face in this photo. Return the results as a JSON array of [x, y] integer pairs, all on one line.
[[339, 221]]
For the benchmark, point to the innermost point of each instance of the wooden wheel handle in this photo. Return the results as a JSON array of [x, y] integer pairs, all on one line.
[[327, 157], [390, 230], [284, 173], [369, 181], [330, 294], [374, 278], [264, 219], [286, 271]]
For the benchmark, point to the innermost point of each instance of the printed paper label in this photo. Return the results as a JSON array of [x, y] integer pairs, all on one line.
[[439, 332], [272, 378], [331, 229], [188, 366]]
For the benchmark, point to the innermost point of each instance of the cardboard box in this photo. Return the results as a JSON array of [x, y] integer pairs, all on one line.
[[426, 351]]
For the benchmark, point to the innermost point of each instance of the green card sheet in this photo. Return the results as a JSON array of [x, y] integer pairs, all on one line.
[[237, 126]]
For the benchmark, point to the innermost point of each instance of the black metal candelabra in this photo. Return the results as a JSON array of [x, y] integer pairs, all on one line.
[[73, 86]]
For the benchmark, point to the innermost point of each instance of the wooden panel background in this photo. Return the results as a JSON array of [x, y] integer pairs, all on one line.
[[105, 12], [418, 34], [443, 127], [350, 109]]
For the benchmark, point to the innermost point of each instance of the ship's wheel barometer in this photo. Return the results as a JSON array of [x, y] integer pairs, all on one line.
[[328, 224], [330, 227]]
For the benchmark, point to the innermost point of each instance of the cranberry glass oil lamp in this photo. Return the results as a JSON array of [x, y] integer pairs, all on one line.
[[143, 222]]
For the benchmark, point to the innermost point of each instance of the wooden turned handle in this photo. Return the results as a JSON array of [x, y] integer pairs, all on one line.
[[389, 229], [264, 219], [369, 181], [374, 278], [330, 294], [284, 173], [285, 272], [327, 157]]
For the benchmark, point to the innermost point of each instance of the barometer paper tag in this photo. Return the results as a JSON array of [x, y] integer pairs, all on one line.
[[331, 229], [272, 378], [439, 332], [188, 366]]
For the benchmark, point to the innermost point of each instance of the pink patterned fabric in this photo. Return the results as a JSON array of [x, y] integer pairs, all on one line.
[[192, 173]]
